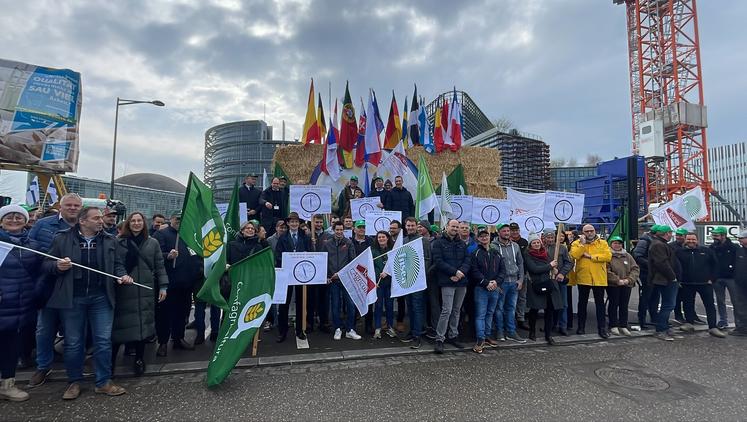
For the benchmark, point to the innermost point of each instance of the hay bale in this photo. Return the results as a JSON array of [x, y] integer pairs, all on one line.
[[482, 166]]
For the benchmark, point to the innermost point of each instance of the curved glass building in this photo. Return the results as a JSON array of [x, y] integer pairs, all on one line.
[[233, 150]]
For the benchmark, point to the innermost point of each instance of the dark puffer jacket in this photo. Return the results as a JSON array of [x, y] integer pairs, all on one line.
[[187, 271], [399, 200], [134, 311], [487, 264], [18, 275], [450, 255], [242, 247]]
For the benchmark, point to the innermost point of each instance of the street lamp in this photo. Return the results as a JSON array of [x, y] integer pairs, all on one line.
[[121, 102]]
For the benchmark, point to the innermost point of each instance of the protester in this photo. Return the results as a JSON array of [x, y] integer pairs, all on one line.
[[521, 301], [388, 185], [280, 229], [33, 216], [433, 292], [294, 240], [361, 242], [487, 273], [384, 299], [110, 221], [272, 202], [245, 243], [318, 294], [395, 228], [592, 255], [183, 270], [348, 193], [378, 190], [85, 298], [725, 251], [347, 223], [739, 300], [467, 237], [565, 265], [508, 292], [542, 289], [134, 313], [663, 269], [339, 254], [647, 302], [400, 199], [622, 275], [18, 273], [698, 274], [48, 319], [452, 264], [677, 244], [416, 300], [156, 222], [249, 194]]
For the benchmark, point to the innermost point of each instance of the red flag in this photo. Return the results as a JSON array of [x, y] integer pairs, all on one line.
[[310, 133], [393, 132], [360, 148], [348, 126]]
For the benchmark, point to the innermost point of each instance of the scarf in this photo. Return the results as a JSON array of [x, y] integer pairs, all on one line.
[[133, 251], [540, 253], [620, 253]]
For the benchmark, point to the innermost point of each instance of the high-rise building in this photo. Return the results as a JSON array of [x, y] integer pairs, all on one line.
[[233, 150], [565, 178], [474, 121], [727, 171]]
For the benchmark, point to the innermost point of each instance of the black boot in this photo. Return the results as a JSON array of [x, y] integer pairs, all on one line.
[[581, 328], [532, 328]]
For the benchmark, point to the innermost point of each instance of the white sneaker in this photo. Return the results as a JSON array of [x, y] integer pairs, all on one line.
[[352, 335], [625, 332], [391, 333], [338, 334], [615, 331], [377, 333], [9, 391]]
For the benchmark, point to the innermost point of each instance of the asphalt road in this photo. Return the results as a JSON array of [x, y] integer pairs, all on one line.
[[697, 378]]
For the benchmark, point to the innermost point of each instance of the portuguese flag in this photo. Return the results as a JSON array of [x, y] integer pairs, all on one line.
[[252, 288]]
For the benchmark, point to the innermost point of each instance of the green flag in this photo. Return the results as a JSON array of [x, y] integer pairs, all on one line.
[[620, 228], [253, 285], [203, 231], [232, 220], [279, 172], [457, 184], [425, 200]]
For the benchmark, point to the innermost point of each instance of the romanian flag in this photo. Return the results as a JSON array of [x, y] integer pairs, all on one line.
[[405, 131], [311, 131], [320, 120], [393, 127], [348, 130], [360, 146]]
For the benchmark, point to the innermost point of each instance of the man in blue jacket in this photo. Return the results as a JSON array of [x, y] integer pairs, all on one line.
[[452, 264], [48, 319]]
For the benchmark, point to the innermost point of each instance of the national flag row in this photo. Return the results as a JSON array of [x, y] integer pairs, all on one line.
[[355, 143]]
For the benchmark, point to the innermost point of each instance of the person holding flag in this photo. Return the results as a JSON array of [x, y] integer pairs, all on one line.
[[384, 299], [340, 252], [18, 272]]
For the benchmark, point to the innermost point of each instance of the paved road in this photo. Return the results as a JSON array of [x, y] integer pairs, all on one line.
[[697, 378]]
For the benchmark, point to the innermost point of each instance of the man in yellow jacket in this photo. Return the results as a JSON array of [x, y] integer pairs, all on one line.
[[592, 255]]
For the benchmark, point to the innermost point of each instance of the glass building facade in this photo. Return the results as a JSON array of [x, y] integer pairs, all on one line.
[[233, 150], [564, 178], [727, 170]]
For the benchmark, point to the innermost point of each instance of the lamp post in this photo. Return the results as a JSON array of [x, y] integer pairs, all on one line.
[[121, 102]]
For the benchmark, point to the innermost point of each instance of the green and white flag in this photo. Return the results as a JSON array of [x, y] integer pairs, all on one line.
[[407, 265], [253, 281], [203, 231], [445, 205], [232, 221], [425, 200], [457, 184]]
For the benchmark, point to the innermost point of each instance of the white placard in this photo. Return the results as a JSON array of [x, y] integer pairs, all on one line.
[[461, 207], [523, 203], [223, 209], [490, 211], [308, 200], [281, 287], [380, 220], [532, 222], [564, 207], [305, 268], [360, 206]]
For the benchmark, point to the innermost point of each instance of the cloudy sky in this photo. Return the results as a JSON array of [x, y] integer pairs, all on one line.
[[556, 68]]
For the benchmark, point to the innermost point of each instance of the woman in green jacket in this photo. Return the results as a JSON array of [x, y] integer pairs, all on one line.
[[134, 309]]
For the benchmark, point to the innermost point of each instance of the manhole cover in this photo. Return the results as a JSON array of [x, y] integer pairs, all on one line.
[[631, 379]]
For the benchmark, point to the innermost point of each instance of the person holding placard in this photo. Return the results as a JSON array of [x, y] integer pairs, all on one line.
[[542, 287], [592, 254], [416, 301], [318, 301], [361, 242], [294, 240], [340, 252], [565, 265]]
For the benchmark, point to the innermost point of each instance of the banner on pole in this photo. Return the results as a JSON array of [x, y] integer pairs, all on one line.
[[357, 278], [461, 207], [522, 203], [564, 207], [490, 211], [281, 287], [308, 200], [359, 207], [305, 268], [380, 220], [407, 266], [532, 222]]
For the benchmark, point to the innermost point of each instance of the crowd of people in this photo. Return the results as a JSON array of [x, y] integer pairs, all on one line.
[[484, 284]]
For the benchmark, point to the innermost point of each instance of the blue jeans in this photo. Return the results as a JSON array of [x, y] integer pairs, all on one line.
[[200, 308], [340, 297], [668, 297], [719, 289], [506, 308], [46, 331], [383, 294], [98, 313], [416, 311], [563, 317], [485, 304]]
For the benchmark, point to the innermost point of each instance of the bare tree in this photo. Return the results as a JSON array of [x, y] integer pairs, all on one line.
[[558, 162], [593, 159], [572, 162], [503, 123]]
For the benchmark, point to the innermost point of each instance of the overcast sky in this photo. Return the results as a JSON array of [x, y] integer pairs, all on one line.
[[557, 68]]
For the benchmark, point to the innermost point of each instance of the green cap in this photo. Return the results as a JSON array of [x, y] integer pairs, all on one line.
[[360, 223], [719, 230], [482, 227], [615, 239], [501, 225], [681, 231], [354, 177], [664, 229], [654, 228], [435, 228]]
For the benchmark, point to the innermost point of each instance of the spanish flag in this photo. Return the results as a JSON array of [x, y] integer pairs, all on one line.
[[393, 126], [310, 131], [320, 120]]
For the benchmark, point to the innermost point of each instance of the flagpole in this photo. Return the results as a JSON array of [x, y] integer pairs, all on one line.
[[176, 247], [73, 263], [557, 247], [255, 342]]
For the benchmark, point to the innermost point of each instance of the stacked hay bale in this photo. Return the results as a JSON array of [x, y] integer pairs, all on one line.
[[482, 166]]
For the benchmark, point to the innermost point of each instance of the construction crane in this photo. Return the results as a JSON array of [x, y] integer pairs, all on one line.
[[666, 94]]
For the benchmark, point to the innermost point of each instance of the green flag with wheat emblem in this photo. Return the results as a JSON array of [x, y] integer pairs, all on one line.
[[407, 265], [252, 288], [203, 231]]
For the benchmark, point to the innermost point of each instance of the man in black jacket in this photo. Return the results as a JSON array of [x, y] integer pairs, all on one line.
[[399, 199], [378, 190], [698, 273], [452, 264], [725, 252], [294, 240], [272, 202], [249, 194], [663, 268], [740, 280], [647, 303], [487, 272]]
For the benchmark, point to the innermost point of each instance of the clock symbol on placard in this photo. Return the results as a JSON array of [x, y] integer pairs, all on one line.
[[491, 214], [304, 271], [382, 223], [311, 202], [534, 224], [456, 210], [563, 210], [364, 209]]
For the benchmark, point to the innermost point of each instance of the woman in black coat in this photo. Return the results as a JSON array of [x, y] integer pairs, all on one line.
[[542, 291], [247, 242], [18, 271]]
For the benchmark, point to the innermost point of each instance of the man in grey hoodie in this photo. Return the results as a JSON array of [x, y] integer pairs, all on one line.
[[513, 261]]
